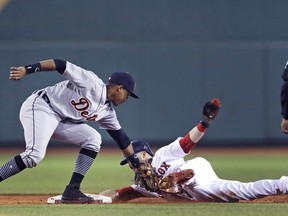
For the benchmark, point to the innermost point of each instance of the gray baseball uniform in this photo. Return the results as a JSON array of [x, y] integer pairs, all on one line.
[[63, 112]]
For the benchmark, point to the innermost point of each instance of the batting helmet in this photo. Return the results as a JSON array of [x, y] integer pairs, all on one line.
[[138, 146]]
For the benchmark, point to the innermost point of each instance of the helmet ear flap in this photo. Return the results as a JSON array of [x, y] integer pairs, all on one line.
[[138, 146], [142, 145]]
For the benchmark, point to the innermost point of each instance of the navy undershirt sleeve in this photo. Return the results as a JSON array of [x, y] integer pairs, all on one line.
[[120, 137], [60, 65]]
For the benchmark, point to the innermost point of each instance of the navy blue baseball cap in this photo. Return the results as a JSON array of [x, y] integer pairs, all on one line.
[[138, 146], [125, 79]]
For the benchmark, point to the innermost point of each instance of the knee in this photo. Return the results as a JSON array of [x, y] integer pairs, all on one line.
[[203, 162], [93, 142], [32, 160]]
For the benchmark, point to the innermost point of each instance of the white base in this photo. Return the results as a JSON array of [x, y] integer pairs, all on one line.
[[99, 199]]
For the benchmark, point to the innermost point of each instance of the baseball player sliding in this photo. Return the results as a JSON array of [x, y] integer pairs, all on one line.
[[193, 179], [61, 112]]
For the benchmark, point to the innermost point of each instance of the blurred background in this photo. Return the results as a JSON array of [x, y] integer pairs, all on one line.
[[182, 54]]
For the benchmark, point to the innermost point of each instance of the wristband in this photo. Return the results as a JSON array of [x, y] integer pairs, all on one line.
[[204, 124], [33, 68]]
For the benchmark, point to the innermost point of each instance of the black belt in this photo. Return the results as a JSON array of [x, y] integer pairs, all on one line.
[[44, 96]]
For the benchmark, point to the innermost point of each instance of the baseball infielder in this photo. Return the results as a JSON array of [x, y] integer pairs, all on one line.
[[205, 185], [61, 112]]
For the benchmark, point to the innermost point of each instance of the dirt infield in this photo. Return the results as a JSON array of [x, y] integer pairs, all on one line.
[[42, 199]]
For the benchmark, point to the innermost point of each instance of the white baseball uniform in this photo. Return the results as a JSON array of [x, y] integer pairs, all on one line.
[[206, 185], [61, 111]]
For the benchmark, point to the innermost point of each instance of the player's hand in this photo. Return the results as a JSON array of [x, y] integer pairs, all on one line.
[[284, 126], [210, 111], [16, 73]]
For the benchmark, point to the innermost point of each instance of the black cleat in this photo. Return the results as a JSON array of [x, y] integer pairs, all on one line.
[[73, 195]]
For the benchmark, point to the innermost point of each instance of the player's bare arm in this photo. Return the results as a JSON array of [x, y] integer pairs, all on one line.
[[128, 151], [17, 73]]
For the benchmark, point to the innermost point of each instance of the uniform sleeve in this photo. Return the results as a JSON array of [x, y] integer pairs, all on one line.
[[168, 159], [80, 77], [60, 65], [110, 122], [173, 151], [284, 93]]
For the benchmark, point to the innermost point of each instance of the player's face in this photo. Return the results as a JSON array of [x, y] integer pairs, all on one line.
[[143, 156], [120, 96]]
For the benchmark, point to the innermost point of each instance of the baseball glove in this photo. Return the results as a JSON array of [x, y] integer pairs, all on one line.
[[171, 182], [146, 177]]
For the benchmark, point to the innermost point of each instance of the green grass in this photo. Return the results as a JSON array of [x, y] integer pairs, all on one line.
[[53, 173]]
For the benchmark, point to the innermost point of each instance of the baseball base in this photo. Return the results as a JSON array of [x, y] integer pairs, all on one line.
[[98, 199]]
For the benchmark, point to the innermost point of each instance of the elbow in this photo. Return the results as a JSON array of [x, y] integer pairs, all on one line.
[[60, 65]]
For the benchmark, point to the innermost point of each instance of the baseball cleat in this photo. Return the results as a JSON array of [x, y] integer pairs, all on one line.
[[73, 195]]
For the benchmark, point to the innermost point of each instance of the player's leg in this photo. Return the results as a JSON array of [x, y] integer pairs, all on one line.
[[254, 190], [89, 140], [233, 191], [203, 170], [39, 124], [206, 186]]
